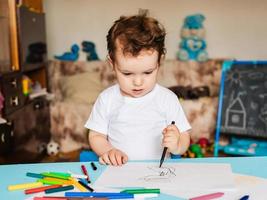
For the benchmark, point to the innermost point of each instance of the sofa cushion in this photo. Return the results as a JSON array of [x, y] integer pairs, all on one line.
[[201, 114], [81, 88]]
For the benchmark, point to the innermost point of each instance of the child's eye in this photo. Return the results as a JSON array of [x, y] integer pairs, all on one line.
[[150, 72], [126, 74]]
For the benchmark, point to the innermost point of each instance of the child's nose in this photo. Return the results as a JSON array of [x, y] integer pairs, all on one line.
[[138, 81]]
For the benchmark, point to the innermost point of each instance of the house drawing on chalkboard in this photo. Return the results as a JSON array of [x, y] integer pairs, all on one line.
[[236, 115]]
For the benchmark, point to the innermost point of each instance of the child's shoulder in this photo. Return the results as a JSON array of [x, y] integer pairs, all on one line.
[[110, 91], [165, 91], [165, 98]]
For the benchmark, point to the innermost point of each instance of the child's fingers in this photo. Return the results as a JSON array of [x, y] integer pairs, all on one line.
[[172, 128], [124, 159], [112, 158], [170, 136], [101, 161], [168, 139], [119, 158], [105, 159]]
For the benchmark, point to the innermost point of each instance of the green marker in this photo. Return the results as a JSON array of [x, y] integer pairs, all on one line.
[[53, 175], [34, 175], [141, 191], [67, 175]]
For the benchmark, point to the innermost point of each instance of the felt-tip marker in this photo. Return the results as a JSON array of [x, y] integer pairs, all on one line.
[[93, 166], [164, 152], [109, 195], [142, 191], [86, 173], [208, 196], [246, 197], [86, 186]]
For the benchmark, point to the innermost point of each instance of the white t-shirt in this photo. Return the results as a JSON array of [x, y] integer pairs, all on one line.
[[135, 125]]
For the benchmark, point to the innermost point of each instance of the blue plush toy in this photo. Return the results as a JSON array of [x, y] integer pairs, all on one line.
[[193, 44], [89, 48], [194, 21], [193, 48], [73, 55]]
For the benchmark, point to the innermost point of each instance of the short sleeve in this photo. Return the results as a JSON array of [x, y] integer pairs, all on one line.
[[97, 120], [176, 113]]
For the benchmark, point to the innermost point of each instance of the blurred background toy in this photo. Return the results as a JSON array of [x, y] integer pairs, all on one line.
[[193, 43], [36, 87], [37, 52], [245, 147], [89, 48], [203, 142], [52, 148], [188, 92], [73, 55], [202, 148], [26, 85], [196, 149], [41, 148]]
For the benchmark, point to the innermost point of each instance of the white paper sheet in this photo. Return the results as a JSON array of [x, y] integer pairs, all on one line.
[[172, 176], [253, 186]]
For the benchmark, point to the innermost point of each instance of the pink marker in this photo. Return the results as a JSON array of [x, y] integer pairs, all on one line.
[[208, 196]]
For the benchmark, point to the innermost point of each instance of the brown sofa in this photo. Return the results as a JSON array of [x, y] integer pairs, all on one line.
[[76, 86]]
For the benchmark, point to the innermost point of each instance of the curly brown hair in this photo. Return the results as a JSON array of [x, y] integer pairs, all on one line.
[[136, 33]]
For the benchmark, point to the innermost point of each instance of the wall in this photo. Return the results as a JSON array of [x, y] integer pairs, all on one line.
[[234, 29]]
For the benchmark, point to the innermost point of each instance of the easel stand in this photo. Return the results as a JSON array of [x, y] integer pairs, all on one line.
[[242, 108]]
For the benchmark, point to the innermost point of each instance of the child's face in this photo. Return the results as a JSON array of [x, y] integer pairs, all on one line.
[[136, 75]]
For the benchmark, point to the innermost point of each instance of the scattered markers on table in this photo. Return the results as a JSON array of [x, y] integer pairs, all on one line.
[[54, 181]]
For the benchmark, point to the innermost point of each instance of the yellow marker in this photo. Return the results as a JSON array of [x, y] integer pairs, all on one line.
[[78, 185], [24, 186]]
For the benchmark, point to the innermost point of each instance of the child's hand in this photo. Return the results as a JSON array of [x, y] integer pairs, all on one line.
[[171, 137], [113, 157]]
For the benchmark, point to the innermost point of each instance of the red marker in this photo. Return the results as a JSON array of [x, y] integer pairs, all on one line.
[[40, 189], [86, 173]]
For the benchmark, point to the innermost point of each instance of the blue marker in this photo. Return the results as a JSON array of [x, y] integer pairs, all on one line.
[[110, 195], [246, 197]]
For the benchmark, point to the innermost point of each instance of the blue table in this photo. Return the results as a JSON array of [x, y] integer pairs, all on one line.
[[16, 173]]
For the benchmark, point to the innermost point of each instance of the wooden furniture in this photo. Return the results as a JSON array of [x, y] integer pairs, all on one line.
[[8, 37], [23, 56]]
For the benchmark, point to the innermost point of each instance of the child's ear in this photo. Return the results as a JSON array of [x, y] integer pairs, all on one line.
[[110, 61], [162, 58]]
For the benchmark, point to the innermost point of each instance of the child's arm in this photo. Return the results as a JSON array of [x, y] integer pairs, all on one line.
[[108, 155], [176, 141]]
